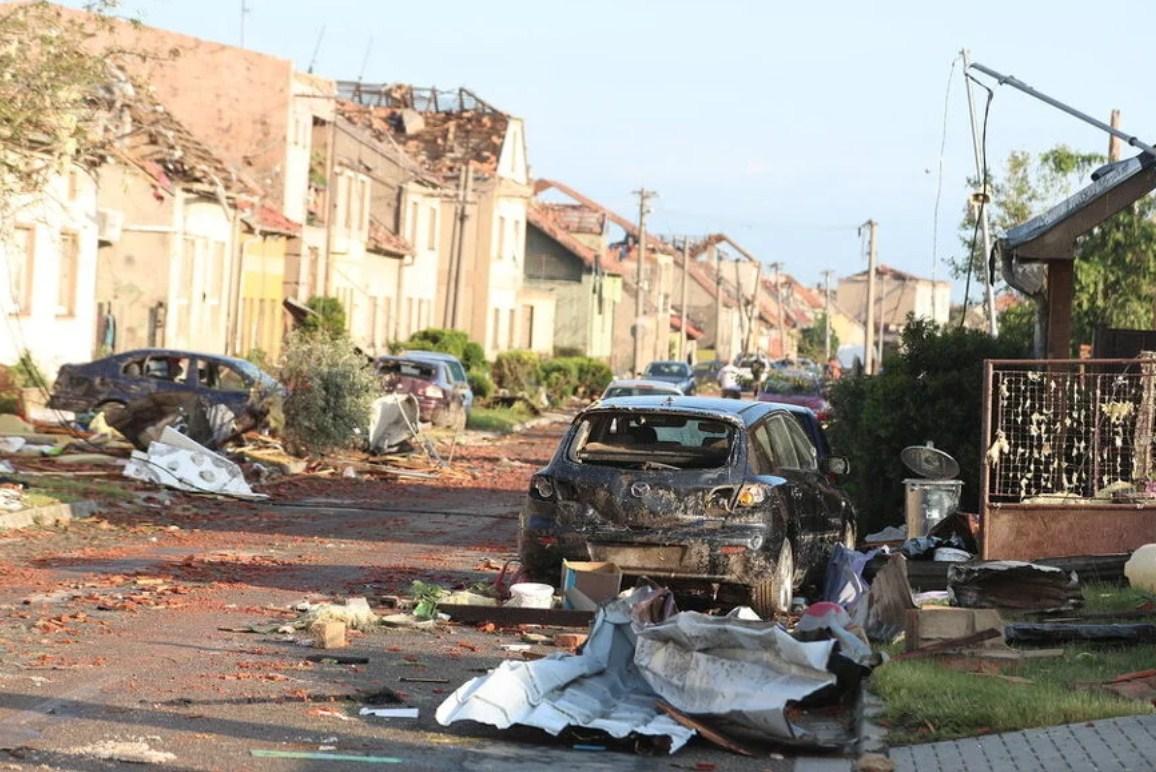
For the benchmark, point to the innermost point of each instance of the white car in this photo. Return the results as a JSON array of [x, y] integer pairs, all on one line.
[[640, 387]]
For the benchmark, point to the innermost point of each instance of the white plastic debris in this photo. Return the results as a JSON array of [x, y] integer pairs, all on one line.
[[389, 712], [129, 751], [11, 499], [393, 421], [6, 468], [178, 462]]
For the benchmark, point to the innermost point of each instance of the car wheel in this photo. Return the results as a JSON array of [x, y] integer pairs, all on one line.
[[539, 562], [773, 596]]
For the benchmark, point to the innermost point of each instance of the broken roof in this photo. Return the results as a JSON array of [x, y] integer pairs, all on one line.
[[889, 272], [443, 130], [545, 219], [269, 220], [383, 241], [576, 218]]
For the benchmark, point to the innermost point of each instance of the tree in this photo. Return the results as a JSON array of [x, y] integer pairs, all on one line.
[[328, 316], [50, 95], [813, 343], [1115, 274]]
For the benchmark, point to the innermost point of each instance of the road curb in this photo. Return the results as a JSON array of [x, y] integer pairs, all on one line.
[[51, 515]]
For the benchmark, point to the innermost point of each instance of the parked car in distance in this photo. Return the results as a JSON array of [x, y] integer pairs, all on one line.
[[744, 363], [456, 369], [636, 387], [706, 373], [676, 372], [796, 388], [720, 494], [118, 379], [430, 382]]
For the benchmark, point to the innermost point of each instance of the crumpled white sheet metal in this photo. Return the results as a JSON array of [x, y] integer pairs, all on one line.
[[598, 689], [178, 462], [743, 672], [393, 420]]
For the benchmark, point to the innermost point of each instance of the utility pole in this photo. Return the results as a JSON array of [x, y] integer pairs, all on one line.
[[882, 317], [869, 328], [984, 196], [826, 315], [754, 312], [455, 273], [714, 255], [644, 196], [682, 338], [776, 267], [330, 205]]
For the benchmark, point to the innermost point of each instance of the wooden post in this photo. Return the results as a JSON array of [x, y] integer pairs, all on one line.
[[1061, 295]]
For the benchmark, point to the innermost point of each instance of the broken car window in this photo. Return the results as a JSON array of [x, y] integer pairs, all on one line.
[[804, 450], [421, 370], [633, 440], [218, 375], [167, 368], [784, 448]]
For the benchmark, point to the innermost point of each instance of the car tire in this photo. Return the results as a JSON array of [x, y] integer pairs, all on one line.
[[539, 563], [773, 596]]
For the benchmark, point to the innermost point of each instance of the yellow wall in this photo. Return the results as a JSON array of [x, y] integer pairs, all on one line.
[[261, 323]]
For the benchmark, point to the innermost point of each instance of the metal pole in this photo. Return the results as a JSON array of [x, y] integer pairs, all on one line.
[[827, 316], [1018, 84], [639, 309], [717, 302], [330, 205], [776, 266], [882, 318], [869, 332], [682, 338], [984, 224]]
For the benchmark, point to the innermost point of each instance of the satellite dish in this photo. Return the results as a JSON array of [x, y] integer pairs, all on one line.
[[926, 461]]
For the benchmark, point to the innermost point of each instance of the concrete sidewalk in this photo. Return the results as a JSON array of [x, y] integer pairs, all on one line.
[[1111, 744]]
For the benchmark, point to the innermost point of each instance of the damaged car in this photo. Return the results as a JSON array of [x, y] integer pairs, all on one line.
[[430, 382], [731, 497], [115, 381]]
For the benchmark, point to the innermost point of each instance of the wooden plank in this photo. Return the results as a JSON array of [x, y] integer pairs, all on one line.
[[510, 615]]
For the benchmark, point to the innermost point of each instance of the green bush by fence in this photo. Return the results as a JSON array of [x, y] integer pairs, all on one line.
[[930, 391]]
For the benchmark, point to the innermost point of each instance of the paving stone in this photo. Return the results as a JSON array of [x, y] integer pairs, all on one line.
[[1111, 745]]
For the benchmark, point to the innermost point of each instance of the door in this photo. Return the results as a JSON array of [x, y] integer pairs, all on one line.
[[828, 502], [773, 462]]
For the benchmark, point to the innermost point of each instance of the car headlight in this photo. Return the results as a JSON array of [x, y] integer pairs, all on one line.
[[543, 487], [751, 495]]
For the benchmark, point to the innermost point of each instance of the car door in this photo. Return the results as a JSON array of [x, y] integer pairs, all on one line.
[[461, 383], [828, 502], [774, 464], [790, 465]]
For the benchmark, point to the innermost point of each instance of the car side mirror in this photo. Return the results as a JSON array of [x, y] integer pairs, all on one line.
[[837, 465]]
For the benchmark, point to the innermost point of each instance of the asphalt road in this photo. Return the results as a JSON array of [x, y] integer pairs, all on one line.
[[111, 631]]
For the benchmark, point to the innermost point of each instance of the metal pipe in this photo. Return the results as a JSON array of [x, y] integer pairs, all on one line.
[[1019, 84], [985, 226]]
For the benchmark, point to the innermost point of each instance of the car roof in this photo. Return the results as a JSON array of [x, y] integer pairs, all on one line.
[[664, 385], [744, 410], [438, 355], [171, 352], [412, 360]]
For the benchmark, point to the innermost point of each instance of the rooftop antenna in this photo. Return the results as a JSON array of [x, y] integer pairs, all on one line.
[[316, 50], [365, 59]]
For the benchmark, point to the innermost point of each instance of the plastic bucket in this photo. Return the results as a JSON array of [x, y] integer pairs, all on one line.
[[531, 595]]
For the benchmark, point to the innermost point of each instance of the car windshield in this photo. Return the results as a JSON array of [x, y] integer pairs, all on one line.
[[408, 368], [635, 391], [667, 369], [652, 441], [788, 384]]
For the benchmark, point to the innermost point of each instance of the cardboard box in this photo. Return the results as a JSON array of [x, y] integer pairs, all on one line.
[[934, 624], [598, 582]]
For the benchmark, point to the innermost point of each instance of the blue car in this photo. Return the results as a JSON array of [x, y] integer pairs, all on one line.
[[677, 373], [731, 497]]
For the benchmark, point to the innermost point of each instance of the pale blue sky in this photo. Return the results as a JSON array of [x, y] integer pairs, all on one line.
[[784, 125]]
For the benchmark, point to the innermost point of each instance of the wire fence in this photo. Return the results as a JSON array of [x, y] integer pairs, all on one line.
[[1078, 429]]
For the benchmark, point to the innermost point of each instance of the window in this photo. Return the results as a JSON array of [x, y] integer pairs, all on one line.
[[66, 284], [409, 319], [20, 261], [804, 450], [73, 184], [222, 377], [761, 459], [363, 220], [517, 239], [495, 335], [513, 319], [431, 241], [343, 199], [413, 210], [457, 372], [782, 444], [501, 237], [159, 368], [663, 439]]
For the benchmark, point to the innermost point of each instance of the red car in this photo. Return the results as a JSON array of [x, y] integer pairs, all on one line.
[[439, 401], [796, 389]]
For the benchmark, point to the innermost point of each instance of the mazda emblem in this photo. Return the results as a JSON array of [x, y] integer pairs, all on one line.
[[639, 489]]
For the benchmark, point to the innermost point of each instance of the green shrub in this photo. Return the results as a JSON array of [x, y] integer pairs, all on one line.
[[330, 390], [594, 376], [453, 342], [559, 377], [931, 390], [26, 373], [568, 351], [329, 316], [516, 371], [480, 383]]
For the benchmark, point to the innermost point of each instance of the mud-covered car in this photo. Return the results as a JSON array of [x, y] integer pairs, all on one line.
[[729, 496], [430, 382], [116, 380]]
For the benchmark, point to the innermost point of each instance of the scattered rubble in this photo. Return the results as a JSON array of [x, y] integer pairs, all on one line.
[[178, 462], [130, 751], [1011, 584]]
